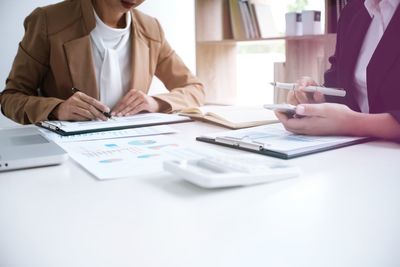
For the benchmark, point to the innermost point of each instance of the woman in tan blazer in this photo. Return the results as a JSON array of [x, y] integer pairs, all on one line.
[[59, 52]]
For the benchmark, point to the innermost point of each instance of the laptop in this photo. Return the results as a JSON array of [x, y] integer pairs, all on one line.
[[25, 147]]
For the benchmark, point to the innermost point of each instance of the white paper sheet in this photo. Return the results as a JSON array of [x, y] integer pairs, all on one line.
[[142, 131], [274, 137], [127, 157], [129, 121]]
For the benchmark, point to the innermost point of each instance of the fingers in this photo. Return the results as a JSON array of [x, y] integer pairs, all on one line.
[[282, 117], [133, 102], [307, 97], [96, 114], [319, 97], [299, 95], [81, 107], [144, 102], [316, 110], [88, 106], [293, 125], [306, 81], [320, 119], [122, 104], [69, 112], [93, 102], [134, 110], [79, 115], [291, 98]]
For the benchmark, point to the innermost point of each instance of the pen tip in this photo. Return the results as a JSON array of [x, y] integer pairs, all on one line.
[[272, 83]]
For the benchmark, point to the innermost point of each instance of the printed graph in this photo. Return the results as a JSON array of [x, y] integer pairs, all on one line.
[[104, 152]]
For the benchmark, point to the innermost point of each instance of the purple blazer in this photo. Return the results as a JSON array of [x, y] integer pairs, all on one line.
[[383, 71]]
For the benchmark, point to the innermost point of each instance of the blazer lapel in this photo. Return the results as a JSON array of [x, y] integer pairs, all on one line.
[[385, 55], [88, 15], [140, 58], [354, 38], [80, 64]]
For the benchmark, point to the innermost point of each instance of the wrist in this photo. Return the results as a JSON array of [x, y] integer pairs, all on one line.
[[54, 114], [382, 125], [363, 124], [356, 123], [162, 106], [152, 104]]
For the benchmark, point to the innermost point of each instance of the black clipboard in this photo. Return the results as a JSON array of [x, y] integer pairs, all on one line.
[[267, 152], [56, 126]]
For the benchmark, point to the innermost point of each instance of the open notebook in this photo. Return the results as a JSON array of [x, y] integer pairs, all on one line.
[[234, 117]]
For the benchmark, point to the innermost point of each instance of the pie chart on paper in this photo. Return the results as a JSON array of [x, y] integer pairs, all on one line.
[[142, 142]]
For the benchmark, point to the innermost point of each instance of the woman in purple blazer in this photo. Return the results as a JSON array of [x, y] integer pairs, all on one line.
[[366, 64]]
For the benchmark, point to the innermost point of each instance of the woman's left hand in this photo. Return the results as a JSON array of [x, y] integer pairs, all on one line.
[[321, 119], [134, 102]]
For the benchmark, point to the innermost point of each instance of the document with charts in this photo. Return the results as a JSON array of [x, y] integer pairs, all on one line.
[[274, 140], [127, 157], [115, 123]]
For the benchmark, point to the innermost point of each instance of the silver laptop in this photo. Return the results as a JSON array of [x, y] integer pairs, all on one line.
[[26, 148]]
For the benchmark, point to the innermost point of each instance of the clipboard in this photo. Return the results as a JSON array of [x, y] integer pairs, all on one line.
[[279, 143], [66, 128]]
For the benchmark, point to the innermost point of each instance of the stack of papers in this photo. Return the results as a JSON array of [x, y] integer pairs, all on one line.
[[131, 152]]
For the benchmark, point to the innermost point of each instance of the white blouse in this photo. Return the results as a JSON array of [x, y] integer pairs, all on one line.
[[111, 50], [381, 12]]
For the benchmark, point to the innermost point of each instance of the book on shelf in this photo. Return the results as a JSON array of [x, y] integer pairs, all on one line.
[[237, 20], [234, 117], [264, 19], [251, 19], [254, 21], [245, 18]]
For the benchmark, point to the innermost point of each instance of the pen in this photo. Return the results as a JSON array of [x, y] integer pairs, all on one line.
[[312, 88], [107, 114]]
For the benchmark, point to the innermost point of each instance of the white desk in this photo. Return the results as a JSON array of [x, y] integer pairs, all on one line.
[[343, 211]]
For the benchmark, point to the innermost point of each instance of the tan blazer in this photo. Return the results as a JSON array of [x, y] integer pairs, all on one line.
[[55, 55]]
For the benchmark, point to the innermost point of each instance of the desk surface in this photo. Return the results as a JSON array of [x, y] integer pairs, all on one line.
[[344, 210]]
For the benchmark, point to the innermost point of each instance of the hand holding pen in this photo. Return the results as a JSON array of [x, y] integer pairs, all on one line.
[[306, 90], [81, 107]]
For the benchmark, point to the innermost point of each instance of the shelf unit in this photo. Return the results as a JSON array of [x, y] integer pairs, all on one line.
[[216, 52]]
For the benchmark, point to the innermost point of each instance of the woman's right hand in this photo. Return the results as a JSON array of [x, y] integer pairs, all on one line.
[[299, 96], [80, 107]]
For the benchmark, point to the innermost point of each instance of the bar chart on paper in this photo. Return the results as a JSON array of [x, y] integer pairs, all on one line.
[[127, 157]]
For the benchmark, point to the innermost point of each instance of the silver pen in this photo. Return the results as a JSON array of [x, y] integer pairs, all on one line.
[[312, 88]]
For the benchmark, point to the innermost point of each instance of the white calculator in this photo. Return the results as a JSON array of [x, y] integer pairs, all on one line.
[[214, 172]]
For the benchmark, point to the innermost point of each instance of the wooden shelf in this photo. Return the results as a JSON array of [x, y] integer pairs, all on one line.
[[216, 52], [284, 38]]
